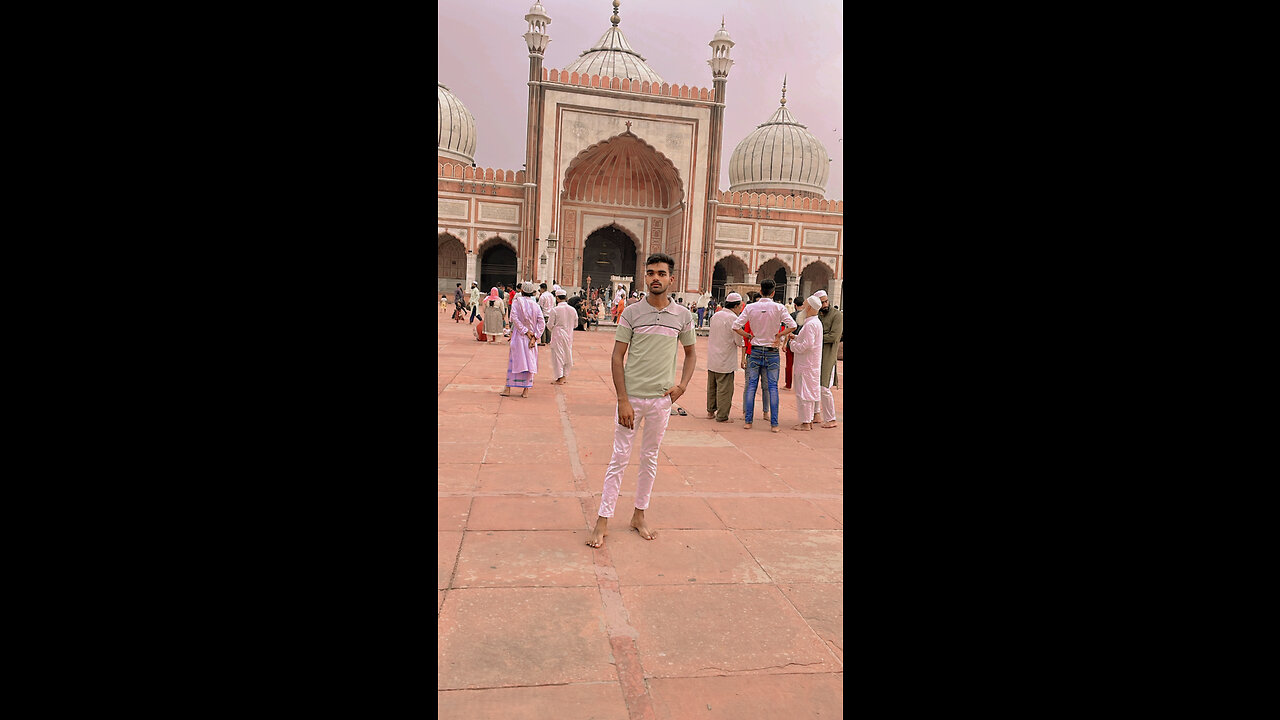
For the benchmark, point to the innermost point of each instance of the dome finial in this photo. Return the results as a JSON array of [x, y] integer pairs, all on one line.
[[721, 22], [615, 19], [784, 89]]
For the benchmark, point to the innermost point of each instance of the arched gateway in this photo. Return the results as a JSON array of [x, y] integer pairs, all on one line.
[[627, 199]]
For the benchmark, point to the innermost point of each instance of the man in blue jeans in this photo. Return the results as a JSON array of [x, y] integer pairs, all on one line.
[[766, 317]]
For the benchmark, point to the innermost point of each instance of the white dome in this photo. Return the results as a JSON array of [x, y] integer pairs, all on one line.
[[613, 56], [781, 156], [456, 130]]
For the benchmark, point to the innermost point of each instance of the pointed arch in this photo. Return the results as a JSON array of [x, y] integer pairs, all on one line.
[[623, 170]]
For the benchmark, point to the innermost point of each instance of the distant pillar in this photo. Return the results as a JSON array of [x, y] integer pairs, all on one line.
[[473, 261]]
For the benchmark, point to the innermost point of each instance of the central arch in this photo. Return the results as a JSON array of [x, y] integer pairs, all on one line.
[[608, 251], [626, 178]]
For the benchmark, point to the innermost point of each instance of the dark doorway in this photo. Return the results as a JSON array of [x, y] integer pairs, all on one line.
[[497, 268], [718, 278], [608, 251]]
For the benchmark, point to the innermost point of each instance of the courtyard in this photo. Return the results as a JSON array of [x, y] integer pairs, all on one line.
[[734, 610]]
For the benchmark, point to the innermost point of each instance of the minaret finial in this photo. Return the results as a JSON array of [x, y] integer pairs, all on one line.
[[721, 22], [784, 89], [615, 19]]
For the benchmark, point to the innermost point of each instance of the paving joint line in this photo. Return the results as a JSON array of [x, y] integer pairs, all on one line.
[[622, 635]]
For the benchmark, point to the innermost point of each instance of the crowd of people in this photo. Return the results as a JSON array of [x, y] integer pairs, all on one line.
[[652, 331]]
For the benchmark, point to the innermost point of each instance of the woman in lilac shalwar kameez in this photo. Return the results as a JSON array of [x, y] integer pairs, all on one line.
[[527, 325]]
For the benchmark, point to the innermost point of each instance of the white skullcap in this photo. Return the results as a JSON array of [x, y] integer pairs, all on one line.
[[555, 288], [527, 287], [814, 301], [561, 293], [733, 297], [820, 294]]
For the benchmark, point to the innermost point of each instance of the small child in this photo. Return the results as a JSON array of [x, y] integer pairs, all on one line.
[[444, 303]]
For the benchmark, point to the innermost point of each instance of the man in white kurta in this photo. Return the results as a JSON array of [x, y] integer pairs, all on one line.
[[563, 320], [526, 325], [807, 348]]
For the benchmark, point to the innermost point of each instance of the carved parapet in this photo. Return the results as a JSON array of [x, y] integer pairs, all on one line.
[[626, 85]]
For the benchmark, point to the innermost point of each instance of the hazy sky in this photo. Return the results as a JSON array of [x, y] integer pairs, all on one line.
[[485, 62]]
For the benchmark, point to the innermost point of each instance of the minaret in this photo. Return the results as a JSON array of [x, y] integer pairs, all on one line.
[[720, 64], [537, 39]]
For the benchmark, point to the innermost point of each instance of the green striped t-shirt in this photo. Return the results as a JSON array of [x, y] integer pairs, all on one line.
[[650, 368]]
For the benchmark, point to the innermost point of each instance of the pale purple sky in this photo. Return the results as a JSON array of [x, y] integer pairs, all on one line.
[[485, 62]]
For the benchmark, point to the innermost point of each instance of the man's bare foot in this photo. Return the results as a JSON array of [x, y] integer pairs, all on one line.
[[597, 535], [558, 382], [726, 420], [525, 393], [710, 415], [775, 428], [746, 426], [802, 426], [830, 424], [505, 393], [637, 522]]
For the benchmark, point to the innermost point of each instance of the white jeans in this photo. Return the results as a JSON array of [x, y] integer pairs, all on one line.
[[654, 414], [828, 400]]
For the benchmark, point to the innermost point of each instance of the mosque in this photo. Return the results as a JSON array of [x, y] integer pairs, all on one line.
[[622, 163]]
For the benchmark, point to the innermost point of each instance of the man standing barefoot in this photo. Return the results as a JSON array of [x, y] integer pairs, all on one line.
[[644, 372], [807, 347]]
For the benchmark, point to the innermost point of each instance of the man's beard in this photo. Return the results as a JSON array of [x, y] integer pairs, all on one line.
[[824, 310]]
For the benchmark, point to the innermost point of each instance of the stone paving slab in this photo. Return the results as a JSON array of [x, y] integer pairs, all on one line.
[[588, 701], [822, 606], [446, 556], [533, 623], [772, 514], [750, 697], [525, 558], [506, 478], [797, 555], [681, 557], [524, 513], [505, 637], [696, 631], [452, 513]]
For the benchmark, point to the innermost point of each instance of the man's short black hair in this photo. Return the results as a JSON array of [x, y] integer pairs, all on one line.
[[799, 300], [753, 296], [459, 284], [662, 258], [732, 305], [543, 286], [766, 287]]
